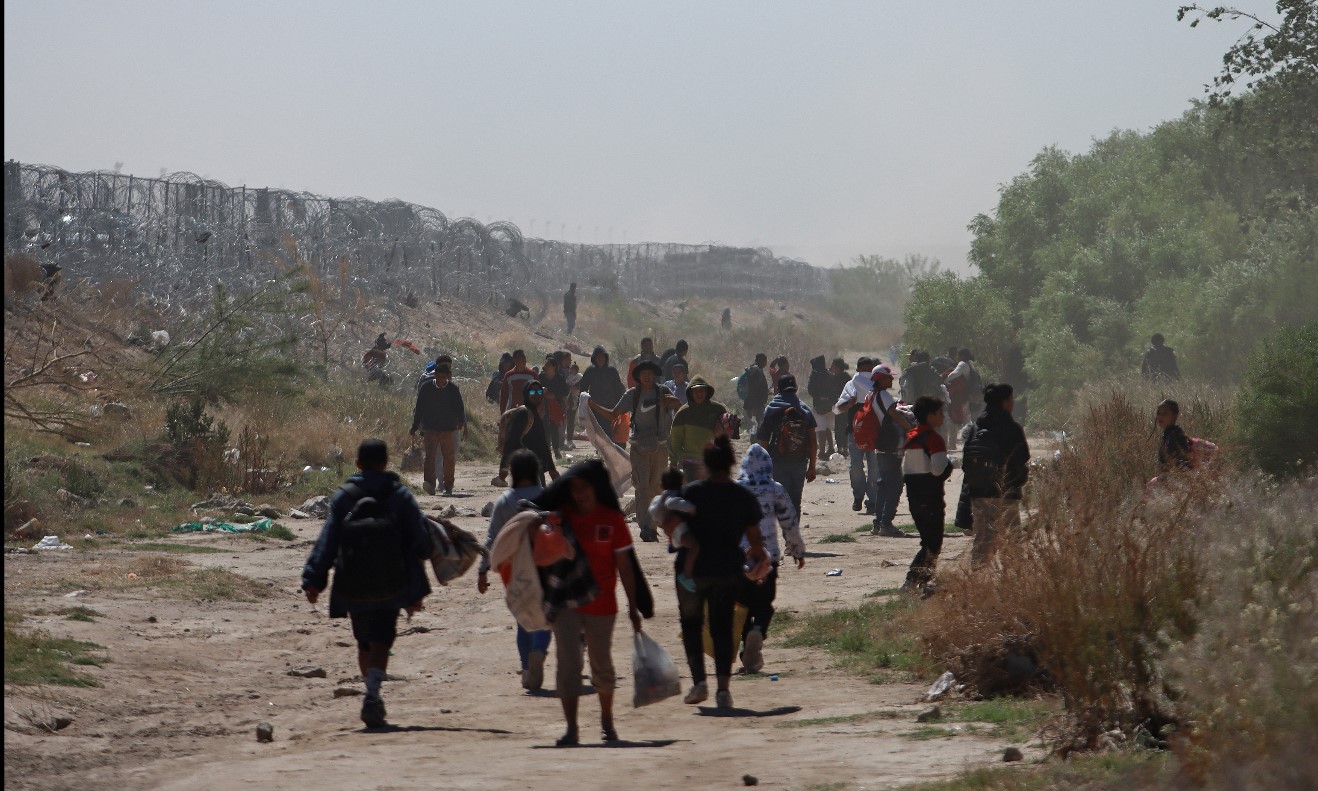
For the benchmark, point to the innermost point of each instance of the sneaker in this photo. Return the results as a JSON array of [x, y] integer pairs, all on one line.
[[373, 712], [649, 535], [448, 491], [887, 531], [428, 487], [753, 657], [855, 505], [699, 693], [723, 698], [533, 677]]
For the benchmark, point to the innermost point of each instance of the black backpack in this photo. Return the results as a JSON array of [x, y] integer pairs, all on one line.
[[983, 460], [371, 567], [890, 434], [794, 435]]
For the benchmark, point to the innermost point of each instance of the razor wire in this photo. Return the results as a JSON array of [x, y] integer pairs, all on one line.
[[173, 237]]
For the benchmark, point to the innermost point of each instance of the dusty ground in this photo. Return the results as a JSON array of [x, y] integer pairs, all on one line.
[[182, 695]]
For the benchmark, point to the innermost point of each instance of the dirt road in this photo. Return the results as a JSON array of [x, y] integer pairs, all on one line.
[[188, 682]]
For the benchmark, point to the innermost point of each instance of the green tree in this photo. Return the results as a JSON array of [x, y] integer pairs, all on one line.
[[1278, 425]]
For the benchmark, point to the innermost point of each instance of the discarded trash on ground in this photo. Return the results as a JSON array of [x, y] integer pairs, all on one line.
[[51, 542], [834, 573], [259, 526]]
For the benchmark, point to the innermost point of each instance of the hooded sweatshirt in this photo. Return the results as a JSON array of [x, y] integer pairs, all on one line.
[[600, 379], [822, 386], [694, 425], [757, 475]]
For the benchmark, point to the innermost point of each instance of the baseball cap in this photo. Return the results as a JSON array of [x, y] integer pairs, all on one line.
[[880, 370]]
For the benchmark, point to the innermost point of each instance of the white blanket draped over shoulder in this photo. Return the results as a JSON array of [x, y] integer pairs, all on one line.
[[523, 592], [615, 458]]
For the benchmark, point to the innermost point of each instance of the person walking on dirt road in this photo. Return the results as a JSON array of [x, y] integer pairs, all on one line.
[[531, 646], [376, 540], [592, 521], [440, 416], [651, 408], [726, 512]]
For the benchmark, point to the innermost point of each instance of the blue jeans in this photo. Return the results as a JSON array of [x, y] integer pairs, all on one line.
[[889, 488], [863, 485], [532, 641], [791, 474]]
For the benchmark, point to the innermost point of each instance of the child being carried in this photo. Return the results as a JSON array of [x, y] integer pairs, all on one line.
[[670, 512]]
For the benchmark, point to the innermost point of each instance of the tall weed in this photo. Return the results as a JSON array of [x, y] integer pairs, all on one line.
[[1091, 586]]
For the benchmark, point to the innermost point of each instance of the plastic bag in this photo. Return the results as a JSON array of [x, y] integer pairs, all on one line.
[[653, 672]]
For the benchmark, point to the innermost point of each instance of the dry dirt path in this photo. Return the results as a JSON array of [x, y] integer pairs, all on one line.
[[182, 695]]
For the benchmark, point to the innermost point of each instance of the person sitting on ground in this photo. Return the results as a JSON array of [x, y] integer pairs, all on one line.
[[531, 646], [778, 513], [592, 521], [375, 539], [694, 426], [926, 467], [669, 511]]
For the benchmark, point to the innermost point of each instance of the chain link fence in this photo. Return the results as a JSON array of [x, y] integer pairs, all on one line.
[[174, 236]]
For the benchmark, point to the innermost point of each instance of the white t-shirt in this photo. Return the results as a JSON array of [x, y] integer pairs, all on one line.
[[858, 388]]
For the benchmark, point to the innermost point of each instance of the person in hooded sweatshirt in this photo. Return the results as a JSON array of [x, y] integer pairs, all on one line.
[[779, 513], [823, 388], [695, 426], [528, 429], [925, 468], [379, 575], [788, 432], [603, 383]]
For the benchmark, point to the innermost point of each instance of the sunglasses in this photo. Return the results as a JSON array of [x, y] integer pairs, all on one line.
[[535, 391]]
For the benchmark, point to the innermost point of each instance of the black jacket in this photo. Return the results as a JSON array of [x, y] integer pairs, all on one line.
[[407, 516], [438, 408], [1011, 438]]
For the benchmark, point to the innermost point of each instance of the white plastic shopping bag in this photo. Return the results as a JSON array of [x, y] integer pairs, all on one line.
[[654, 674]]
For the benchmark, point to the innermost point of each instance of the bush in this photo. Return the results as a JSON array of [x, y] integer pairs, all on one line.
[[1278, 428], [1089, 587], [1247, 676]]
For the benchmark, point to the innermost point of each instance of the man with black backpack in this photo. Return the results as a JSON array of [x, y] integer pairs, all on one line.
[[376, 540], [788, 433], [753, 390], [995, 460]]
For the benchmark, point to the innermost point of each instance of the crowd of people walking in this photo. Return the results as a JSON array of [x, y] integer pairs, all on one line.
[[728, 523]]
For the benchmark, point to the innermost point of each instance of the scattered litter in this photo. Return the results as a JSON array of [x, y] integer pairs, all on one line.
[[87, 377], [51, 542], [83, 444], [132, 575], [836, 458], [774, 677], [941, 687], [834, 573], [259, 526], [307, 468], [831, 480], [75, 594]]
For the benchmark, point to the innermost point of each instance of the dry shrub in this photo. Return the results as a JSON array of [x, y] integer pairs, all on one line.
[[1100, 574], [1249, 674]]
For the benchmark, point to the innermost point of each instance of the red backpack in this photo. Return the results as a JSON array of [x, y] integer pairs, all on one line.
[[865, 424]]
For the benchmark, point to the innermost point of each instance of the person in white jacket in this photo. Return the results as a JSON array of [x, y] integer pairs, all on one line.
[[864, 480], [779, 513]]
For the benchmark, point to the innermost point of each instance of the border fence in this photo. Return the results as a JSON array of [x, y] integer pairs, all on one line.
[[174, 236]]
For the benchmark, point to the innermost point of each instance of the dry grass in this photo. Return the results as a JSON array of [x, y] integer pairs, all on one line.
[[167, 576], [1090, 588]]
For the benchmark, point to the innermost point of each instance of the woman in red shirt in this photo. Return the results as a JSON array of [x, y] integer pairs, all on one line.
[[589, 509]]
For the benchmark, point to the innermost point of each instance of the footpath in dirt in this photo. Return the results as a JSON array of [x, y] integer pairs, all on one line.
[[187, 683]]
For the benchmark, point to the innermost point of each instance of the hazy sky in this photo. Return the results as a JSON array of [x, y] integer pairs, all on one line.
[[821, 129]]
